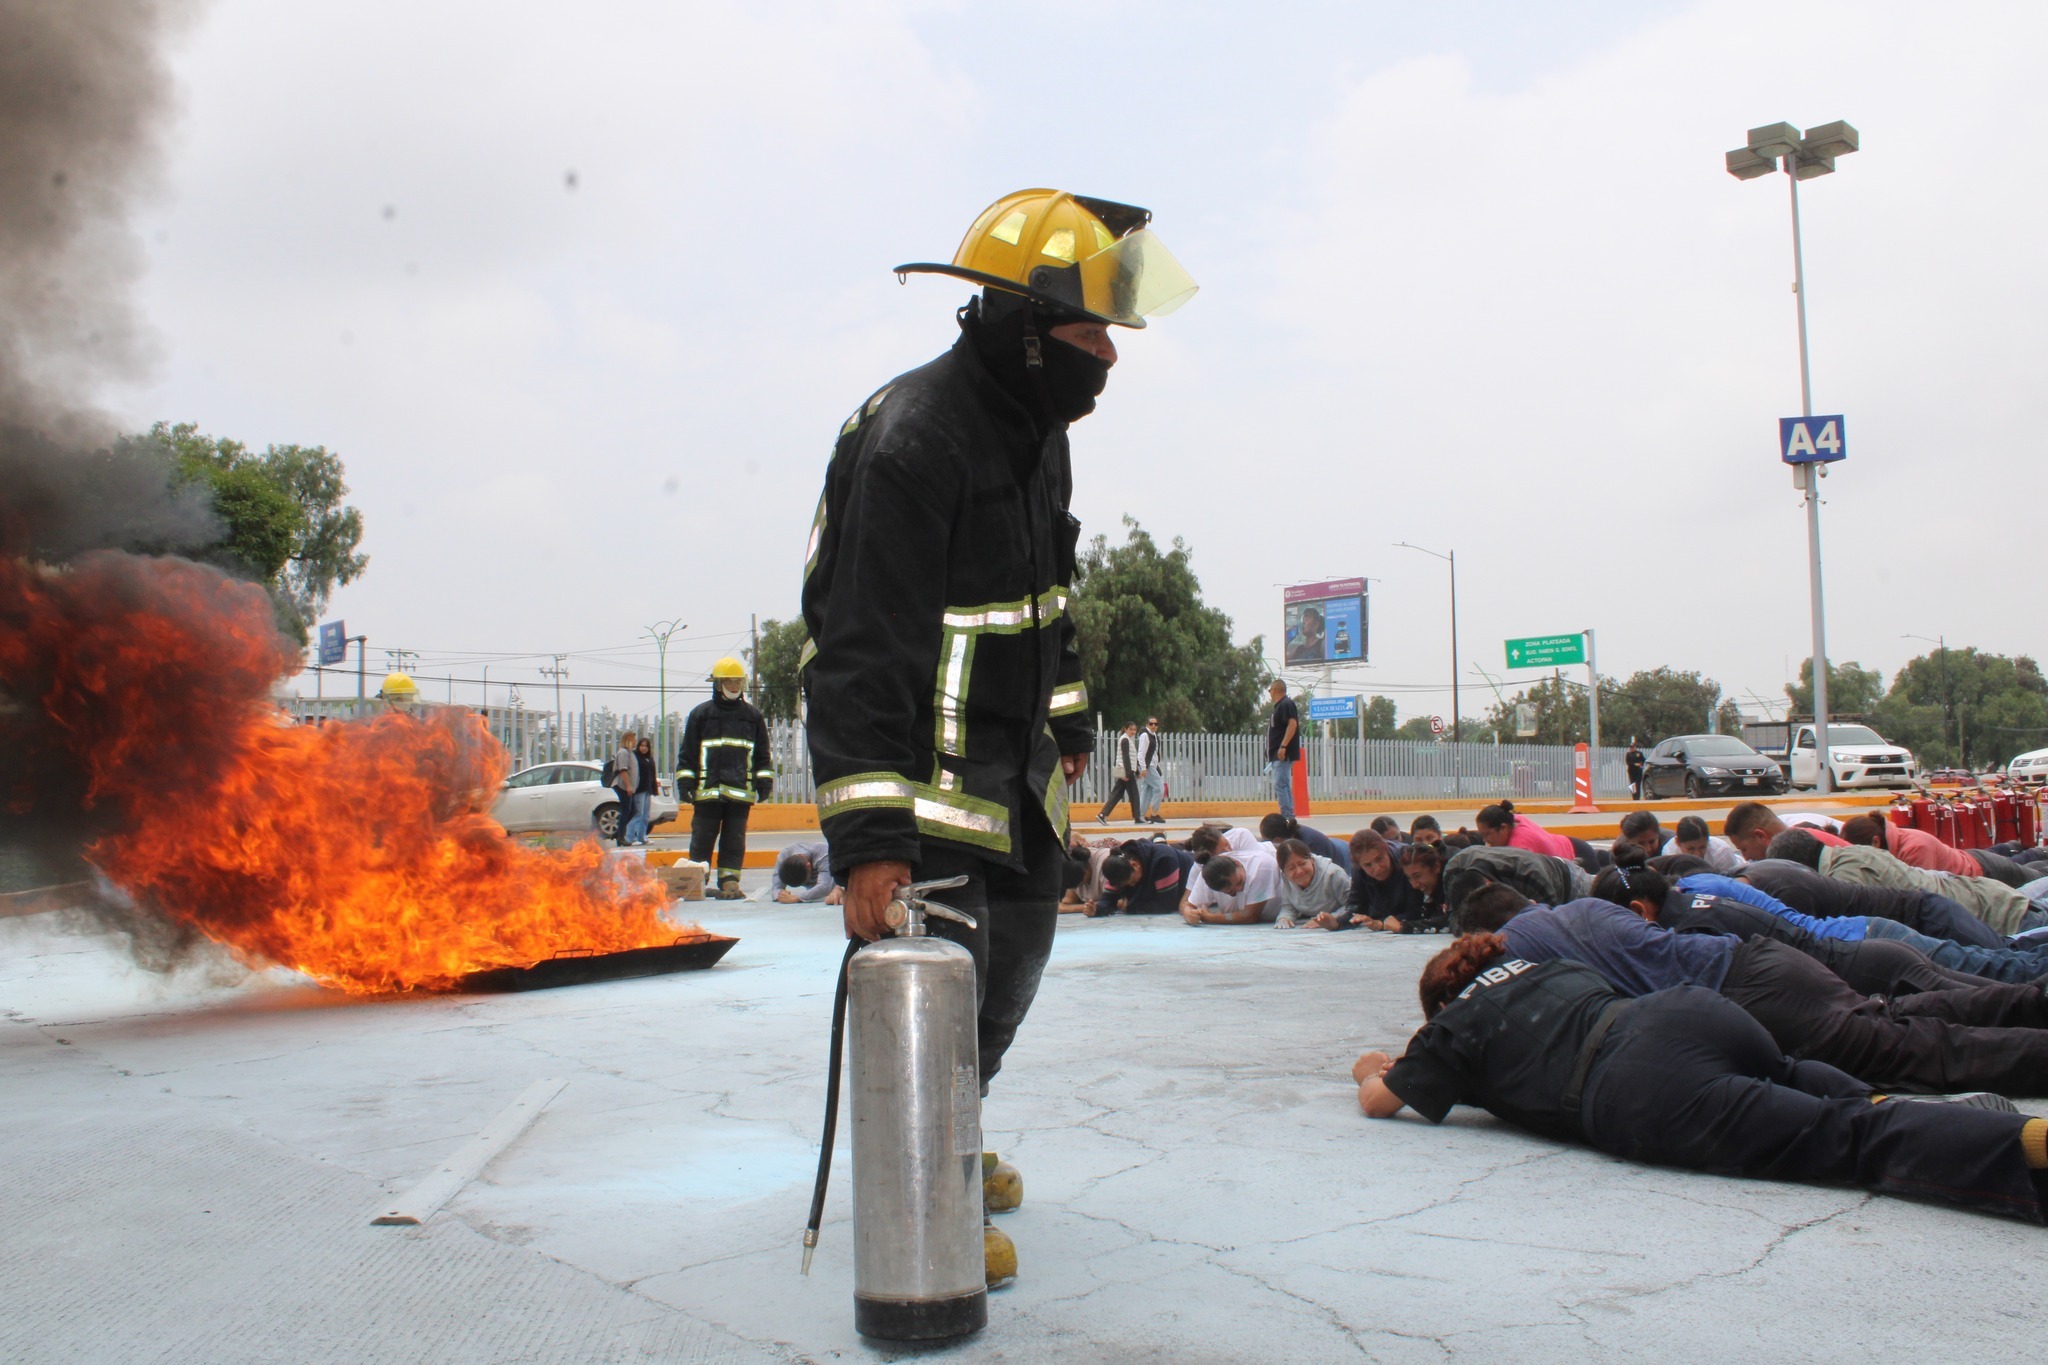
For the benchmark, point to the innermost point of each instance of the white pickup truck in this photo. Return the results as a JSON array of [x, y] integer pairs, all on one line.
[[1858, 756]]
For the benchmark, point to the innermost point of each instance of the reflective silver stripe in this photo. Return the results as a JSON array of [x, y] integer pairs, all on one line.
[[865, 789], [1067, 700], [817, 535], [952, 685], [941, 812], [807, 653], [1005, 616], [875, 403]]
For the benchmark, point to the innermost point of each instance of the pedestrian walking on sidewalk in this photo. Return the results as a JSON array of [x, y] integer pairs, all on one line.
[[1151, 776], [643, 792], [1125, 773], [625, 777]]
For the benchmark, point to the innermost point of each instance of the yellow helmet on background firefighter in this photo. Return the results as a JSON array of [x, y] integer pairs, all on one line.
[[728, 669], [1092, 257], [399, 691]]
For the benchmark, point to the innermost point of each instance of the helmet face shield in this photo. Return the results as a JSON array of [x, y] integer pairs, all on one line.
[[1074, 254]]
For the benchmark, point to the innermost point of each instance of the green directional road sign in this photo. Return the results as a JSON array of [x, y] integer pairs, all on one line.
[[1547, 651]]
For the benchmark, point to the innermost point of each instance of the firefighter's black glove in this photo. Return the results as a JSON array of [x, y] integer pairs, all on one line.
[[761, 790]]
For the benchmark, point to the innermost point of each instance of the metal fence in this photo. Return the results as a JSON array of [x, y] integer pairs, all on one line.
[[1202, 767], [1198, 767]]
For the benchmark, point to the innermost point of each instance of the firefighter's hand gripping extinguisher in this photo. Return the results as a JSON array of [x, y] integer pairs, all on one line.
[[918, 1265]]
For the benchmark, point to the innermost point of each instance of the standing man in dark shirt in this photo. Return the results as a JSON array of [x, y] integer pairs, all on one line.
[[1633, 760], [1683, 1078], [1283, 745]]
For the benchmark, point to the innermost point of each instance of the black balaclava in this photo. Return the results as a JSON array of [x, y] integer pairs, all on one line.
[[1068, 380]]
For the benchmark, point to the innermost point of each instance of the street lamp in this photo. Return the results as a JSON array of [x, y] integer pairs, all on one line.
[[1803, 157], [1457, 712], [1948, 696], [659, 633]]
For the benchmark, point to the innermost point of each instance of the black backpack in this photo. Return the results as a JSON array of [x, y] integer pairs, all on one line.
[[610, 775]]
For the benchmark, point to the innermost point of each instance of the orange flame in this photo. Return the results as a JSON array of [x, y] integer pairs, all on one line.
[[357, 853]]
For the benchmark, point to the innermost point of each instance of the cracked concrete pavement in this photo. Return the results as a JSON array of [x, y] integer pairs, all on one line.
[[193, 1165]]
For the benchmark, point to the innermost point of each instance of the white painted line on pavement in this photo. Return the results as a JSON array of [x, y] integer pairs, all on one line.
[[425, 1199]]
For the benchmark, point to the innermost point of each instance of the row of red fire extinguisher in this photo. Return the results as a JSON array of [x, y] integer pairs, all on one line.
[[1974, 820]]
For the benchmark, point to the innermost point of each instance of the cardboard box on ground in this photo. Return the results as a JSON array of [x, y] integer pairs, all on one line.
[[683, 879]]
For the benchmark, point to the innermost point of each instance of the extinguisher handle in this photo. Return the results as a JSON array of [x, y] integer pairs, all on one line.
[[907, 911]]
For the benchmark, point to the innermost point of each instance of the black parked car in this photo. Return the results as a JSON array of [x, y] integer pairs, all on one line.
[[1710, 765]]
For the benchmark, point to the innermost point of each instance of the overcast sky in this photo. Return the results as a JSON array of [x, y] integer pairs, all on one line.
[[1472, 276]]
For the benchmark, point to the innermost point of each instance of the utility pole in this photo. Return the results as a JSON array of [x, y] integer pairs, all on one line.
[[362, 643], [557, 673], [659, 633], [1593, 702], [754, 659]]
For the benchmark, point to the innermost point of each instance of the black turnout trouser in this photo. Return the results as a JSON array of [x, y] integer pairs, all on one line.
[[2000, 868], [1916, 1042], [1014, 912], [1685, 1079], [1125, 787], [723, 823]]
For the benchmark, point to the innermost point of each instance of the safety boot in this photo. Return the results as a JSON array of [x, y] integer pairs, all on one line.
[[998, 1254], [729, 890], [1002, 1186]]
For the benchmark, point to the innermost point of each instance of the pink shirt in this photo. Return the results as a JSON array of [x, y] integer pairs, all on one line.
[[1918, 848], [1532, 836]]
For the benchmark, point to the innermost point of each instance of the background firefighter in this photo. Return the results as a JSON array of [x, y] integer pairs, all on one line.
[[724, 767], [947, 713]]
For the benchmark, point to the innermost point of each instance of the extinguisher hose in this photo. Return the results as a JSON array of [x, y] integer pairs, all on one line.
[[832, 1066]]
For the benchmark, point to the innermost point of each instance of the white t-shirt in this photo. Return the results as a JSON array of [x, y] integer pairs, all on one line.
[[1825, 822], [1722, 854], [1261, 878]]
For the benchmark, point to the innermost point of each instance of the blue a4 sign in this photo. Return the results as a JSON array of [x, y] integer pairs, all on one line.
[[1812, 440]]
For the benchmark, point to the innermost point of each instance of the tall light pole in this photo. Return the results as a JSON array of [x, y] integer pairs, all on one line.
[[1948, 696], [659, 633], [1457, 712], [1803, 157]]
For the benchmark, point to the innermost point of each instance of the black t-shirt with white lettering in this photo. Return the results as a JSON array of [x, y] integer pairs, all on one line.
[[1692, 912], [1507, 1044]]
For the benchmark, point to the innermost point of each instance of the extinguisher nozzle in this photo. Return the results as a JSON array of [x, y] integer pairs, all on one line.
[[810, 1245]]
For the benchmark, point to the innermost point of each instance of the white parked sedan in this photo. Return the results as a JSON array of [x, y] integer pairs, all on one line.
[[568, 796], [2030, 768]]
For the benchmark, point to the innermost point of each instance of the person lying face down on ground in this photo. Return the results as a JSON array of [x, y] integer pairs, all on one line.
[[1379, 896], [1871, 966], [1918, 848], [1543, 879], [1144, 877], [1235, 888], [1990, 1038], [1682, 1077], [1312, 889], [1751, 825], [2015, 964], [1424, 869], [2005, 909]]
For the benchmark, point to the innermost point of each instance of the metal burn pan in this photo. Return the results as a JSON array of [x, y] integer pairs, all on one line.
[[582, 966]]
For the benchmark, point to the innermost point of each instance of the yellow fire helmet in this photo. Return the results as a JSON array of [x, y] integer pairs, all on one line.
[[1072, 254], [399, 688], [728, 669]]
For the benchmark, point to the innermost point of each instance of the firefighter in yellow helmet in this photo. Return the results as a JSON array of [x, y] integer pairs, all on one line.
[[724, 767], [398, 692], [947, 715]]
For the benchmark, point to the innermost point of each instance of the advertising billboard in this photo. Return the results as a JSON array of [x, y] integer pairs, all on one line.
[[1324, 623]]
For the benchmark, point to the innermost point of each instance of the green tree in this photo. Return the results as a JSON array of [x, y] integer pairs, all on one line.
[[1655, 704], [1150, 647], [283, 520], [775, 666], [1853, 690], [1416, 728], [1968, 708]]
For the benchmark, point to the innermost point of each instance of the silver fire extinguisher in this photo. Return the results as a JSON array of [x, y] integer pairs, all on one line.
[[917, 1217]]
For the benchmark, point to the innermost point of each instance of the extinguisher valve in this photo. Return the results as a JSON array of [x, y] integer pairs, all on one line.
[[905, 914]]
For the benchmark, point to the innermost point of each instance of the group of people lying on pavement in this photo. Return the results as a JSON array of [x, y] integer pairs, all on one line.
[[1819, 1008]]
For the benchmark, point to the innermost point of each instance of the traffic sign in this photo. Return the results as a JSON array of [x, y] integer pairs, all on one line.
[[1332, 708], [1436, 725], [333, 642], [1547, 651], [1813, 440]]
